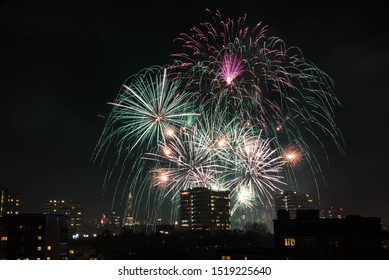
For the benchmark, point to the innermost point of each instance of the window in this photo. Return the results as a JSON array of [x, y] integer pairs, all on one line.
[[39, 248], [48, 248], [226, 258], [39, 237], [4, 238], [290, 241]]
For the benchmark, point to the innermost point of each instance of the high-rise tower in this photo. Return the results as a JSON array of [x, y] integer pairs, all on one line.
[[128, 212], [205, 209]]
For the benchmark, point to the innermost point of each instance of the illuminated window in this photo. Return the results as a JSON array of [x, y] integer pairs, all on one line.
[[4, 238], [39, 248], [48, 258], [39, 237], [71, 252], [226, 258], [290, 242], [48, 248]]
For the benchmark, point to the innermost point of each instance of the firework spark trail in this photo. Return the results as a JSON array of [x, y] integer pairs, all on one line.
[[231, 68]]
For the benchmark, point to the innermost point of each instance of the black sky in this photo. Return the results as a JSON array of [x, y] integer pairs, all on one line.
[[62, 61]]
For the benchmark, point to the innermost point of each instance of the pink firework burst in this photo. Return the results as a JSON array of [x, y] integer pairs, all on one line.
[[231, 67]]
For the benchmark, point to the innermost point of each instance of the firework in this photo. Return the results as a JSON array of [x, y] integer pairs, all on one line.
[[255, 166], [238, 111], [241, 70], [292, 155], [245, 71], [231, 68], [222, 155], [150, 107], [244, 198], [184, 163]]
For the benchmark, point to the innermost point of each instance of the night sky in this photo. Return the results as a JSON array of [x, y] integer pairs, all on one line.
[[62, 61]]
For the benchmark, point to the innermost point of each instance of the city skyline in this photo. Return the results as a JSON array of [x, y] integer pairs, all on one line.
[[64, 64]]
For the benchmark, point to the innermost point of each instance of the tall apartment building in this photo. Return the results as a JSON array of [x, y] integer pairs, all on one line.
[[293, 201], [68, 208], [9, 202], [205, 209]]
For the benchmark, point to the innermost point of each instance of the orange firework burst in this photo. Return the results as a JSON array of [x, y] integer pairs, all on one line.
[[292, 155], [161, 178]]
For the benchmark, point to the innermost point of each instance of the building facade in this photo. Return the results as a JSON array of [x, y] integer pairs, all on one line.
[[33, 237], [292, 201], [9, 202], [68, 208], [205, 209], [311, 237]]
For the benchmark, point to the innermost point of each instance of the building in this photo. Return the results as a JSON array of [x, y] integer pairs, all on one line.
[[9, 203], [33, 237], [205, 209], [82, 249], [292, 201], [332, 213], [310, 237], [69, 208], [116, 219], [128, 212], [247, 253]]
